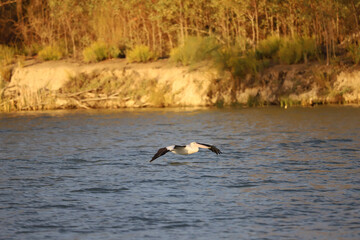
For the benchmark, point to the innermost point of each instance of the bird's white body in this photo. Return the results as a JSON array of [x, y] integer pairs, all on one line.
[[188, 149], [185, 150]]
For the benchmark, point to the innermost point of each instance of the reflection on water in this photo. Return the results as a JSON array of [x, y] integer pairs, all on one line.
[[284, 174]]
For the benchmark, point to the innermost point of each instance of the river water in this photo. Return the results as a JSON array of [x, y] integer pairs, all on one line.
[[283, 174]]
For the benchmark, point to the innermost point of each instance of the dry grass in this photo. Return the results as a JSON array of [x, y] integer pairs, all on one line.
[[51, 52], [18, 98], [98, 90], [7, 55]]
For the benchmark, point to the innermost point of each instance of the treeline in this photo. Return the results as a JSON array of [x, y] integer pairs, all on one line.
[[163, 25]]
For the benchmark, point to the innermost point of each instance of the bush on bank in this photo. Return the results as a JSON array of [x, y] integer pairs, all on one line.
[[51, 52], [141, 53]]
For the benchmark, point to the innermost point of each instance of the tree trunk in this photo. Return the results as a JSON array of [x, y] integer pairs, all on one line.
[[252, 27], [256, 13], [181, 20], [356, 15], [20, 19]]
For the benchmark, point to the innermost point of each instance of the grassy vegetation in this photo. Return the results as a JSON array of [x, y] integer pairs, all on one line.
[[96, 52], [118, 90], [268, 48], [310, 49], [297, 50], [32, 49], [5, 75], [100, 50], [286, 102], [245, 62], [255, 101], [51, 52], [20, 98], [354, 52], [167, 27], [194, 50], [324, 81], [288, 50], [141, 53], [163, 25], [7, 55]]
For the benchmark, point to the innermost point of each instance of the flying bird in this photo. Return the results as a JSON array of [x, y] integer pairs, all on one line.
[[185, 150]]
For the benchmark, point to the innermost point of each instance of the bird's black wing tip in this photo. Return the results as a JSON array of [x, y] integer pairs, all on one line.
[[215, 150], [159, 153]]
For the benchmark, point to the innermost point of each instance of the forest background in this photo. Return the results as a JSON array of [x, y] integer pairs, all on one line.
[[240, 37], [162, 25]]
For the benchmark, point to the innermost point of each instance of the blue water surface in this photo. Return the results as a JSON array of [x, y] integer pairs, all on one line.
[[283, 174]]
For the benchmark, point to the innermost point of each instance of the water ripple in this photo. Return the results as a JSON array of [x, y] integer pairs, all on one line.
[[290, 174], [101, 190]]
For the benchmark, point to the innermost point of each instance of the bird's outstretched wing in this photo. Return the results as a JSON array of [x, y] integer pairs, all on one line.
[[211, 148], [159, 153]]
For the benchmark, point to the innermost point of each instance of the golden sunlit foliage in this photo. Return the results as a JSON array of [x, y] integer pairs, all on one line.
[[51, 52], [163, 25], [194, 49], [96, 52], [141, 53]]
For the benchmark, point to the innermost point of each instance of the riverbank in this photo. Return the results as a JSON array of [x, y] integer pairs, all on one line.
[[118, 84]]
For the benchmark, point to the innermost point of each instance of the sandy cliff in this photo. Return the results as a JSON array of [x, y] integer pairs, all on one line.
[[118, 84]]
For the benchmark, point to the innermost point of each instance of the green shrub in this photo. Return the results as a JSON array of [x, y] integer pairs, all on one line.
[[223, 59], [51, 52], [287, 50], [268, 48], [354, 53], [114, 52], [99, 51], [32, 49], [309, 48], [194, 50], [6, 54], [140, 53], [297, 50], [290, 51], [240, 64], [96, 52], [243, 65]]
